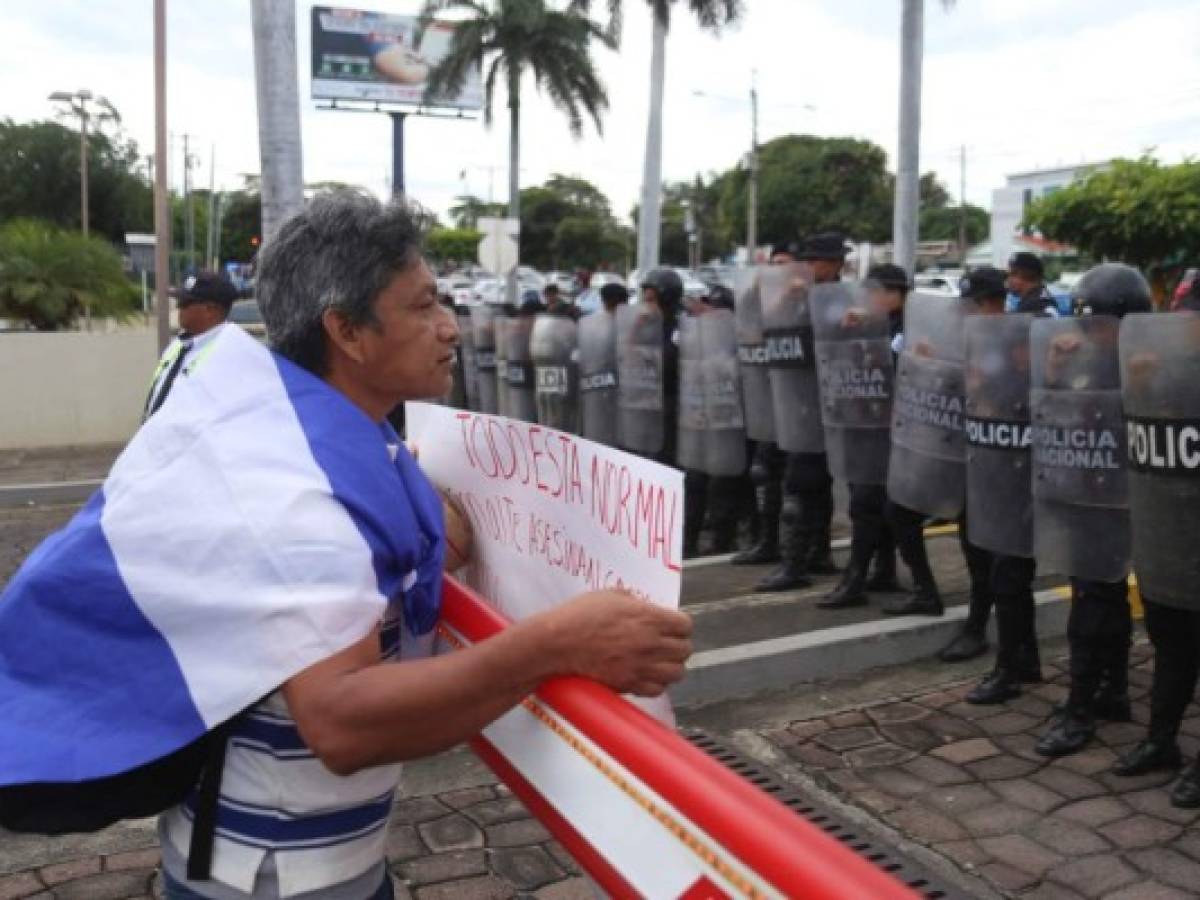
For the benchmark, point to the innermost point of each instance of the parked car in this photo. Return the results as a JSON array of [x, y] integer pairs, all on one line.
[[936, 283], [564, 281]]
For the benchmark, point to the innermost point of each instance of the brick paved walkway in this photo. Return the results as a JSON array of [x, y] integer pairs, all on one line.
[[473, 844], [965, 782]]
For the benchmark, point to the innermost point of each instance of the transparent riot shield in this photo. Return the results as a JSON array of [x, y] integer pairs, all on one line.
[[598, 377], [752, 356], [466, 355], [999, 485], [1160, 389], [856, 376], [724, 419], [504, 324], [1080, 490], [483, 333], [519, 374], [553, 346], [927, 468], [791, 359], [640, 378], [691, 422]]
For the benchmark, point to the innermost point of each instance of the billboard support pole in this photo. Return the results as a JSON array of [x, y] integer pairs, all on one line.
[[398, 153]]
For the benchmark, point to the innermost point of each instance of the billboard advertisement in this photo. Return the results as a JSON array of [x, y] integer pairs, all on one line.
[[359, 55]]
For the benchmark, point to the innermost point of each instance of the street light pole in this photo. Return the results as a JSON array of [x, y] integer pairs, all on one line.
[[162, 216], [752, 199]]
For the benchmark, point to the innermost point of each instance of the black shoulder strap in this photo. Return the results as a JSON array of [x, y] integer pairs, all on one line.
[[208, 795]]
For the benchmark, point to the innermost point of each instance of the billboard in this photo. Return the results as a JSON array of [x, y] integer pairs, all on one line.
[[359, 55]]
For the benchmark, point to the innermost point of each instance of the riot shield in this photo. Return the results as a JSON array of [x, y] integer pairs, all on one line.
[[725, 423], [927, 468], [999, 486], [752, 356], [552, 345], [503, 325], [856, 375], [640, 378], [791, 359], [689, 444], [483, 334], [466, 357], [1080, 492], [598, 377], [1161, 396], [518, 369]]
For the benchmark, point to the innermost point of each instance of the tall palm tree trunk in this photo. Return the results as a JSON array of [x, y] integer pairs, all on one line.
[[650, 214], [275, 79], [907, 201], [514, 179]]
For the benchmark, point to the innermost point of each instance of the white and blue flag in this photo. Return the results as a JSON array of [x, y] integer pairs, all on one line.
[[257, 524]]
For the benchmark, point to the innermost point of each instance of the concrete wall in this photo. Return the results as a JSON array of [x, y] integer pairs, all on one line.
[[71, 388]]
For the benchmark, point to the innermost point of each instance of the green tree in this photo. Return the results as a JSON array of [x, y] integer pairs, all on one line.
[[49, 277], [1137, 211], [468, 210], [515, 37], [39, 178], [241, 226], [453, 243], [712, 15], [942, 223], [568, 222], [808, 184]]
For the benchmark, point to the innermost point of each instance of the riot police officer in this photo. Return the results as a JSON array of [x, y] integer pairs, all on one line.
[[766, 471], [1161, 402], [662, 292], [1084, 362], [1026, 279], [808, 487], [985, 288]]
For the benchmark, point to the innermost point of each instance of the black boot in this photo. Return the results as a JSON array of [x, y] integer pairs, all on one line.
[[967, 644], [790, 574], [997, 686], [1155, 754], [766, 549], [768, 503], [820, 559], [1186, 792], [851, 590], [883, 572], [923, 601], [1069, 732]]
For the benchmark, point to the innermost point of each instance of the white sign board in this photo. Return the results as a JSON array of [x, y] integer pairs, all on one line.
[[499, 248], [553, 515]]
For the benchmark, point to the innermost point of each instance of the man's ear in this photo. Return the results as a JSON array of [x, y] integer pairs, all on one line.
[[344, 334]]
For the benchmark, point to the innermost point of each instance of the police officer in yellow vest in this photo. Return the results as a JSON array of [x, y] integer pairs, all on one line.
[[204, 302]]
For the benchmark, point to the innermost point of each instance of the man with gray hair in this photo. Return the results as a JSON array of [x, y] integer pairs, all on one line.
[[258, 581]]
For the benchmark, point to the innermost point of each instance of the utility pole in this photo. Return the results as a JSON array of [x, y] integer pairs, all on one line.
[[962, 203], [212, 197], [752, 197], [162, 213], [189, 220], [908, 198]]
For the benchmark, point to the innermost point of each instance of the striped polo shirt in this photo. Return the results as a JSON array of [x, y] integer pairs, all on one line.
[[279, 803]]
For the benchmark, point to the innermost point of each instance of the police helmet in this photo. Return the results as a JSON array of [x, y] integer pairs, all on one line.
[[719, 296], [1111, 289], [667, 284]]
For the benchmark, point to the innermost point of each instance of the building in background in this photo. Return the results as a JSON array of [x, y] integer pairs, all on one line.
[[1010, 201]]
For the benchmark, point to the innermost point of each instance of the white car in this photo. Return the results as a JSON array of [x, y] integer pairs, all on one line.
[[939, 284], [488, 290]]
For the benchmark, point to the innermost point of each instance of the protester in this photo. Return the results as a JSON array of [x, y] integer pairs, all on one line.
[[261, 553]]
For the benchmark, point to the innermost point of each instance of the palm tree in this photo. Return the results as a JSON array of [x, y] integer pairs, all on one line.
[[278, 111], [711, 14], [514, 37], [468, 210]]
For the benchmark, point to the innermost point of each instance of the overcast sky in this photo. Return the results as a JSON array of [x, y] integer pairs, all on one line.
[[1022, 84]]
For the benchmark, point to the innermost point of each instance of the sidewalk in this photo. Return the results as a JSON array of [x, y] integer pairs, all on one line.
[[57, 464], [902, 752], [474, 842]]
